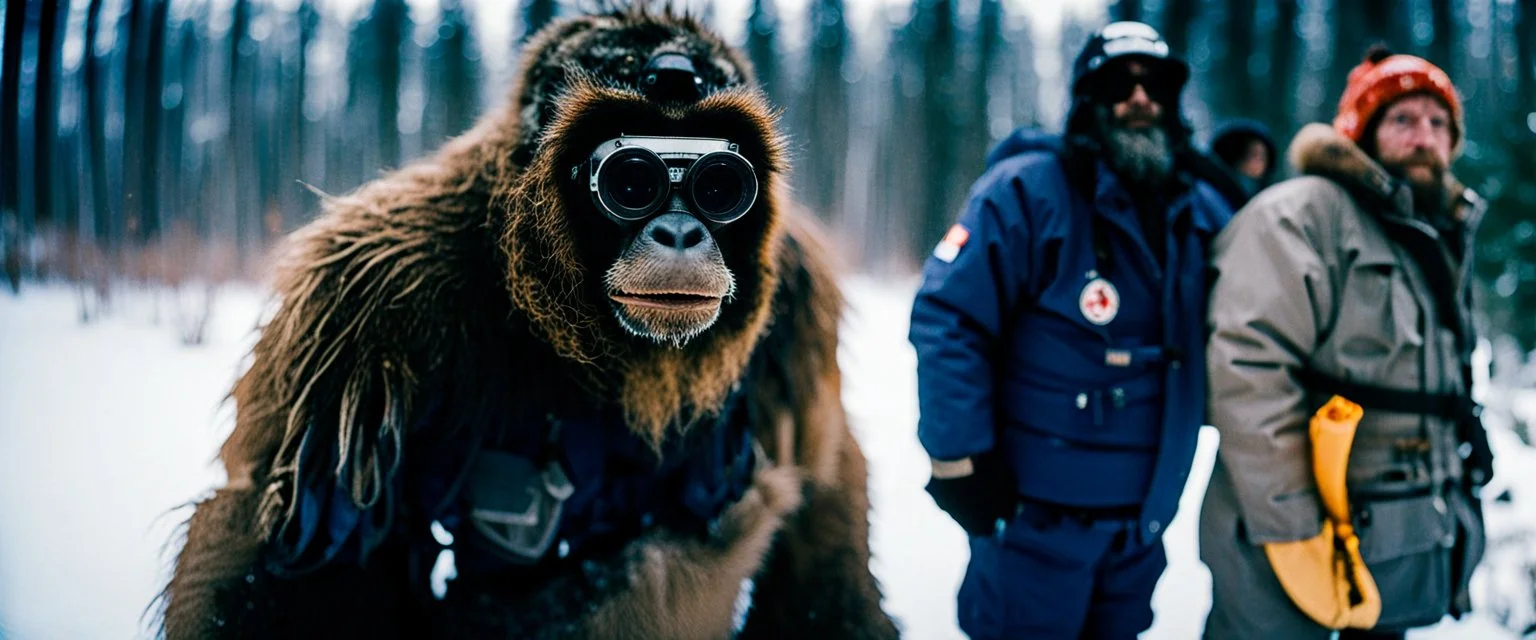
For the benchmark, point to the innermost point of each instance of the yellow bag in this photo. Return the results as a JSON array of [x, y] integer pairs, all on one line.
[[1325, 575]]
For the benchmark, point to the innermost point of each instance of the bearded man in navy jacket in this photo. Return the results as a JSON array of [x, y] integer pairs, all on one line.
[[1060, 336]]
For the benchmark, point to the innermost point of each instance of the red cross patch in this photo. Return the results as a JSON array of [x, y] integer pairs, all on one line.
[[949, 247], [1099, 302]]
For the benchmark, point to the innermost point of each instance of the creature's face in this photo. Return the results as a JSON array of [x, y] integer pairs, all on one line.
[[667, 198], [665, 158], [679, 234]]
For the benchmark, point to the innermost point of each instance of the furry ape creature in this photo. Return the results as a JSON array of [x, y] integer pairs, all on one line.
[[479, 303]]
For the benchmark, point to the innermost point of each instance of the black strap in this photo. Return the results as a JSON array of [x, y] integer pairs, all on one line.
[[1042, 513], [1439, 275], [1460, 409], [1451, 406], [1425, 249]]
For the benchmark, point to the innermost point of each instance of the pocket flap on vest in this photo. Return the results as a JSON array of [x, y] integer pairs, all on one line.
[[1404, 527]]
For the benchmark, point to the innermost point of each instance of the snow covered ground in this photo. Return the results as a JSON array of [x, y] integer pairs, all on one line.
[[105, 429]]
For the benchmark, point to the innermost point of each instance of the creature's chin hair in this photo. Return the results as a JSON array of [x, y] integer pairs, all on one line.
[[673, 340]]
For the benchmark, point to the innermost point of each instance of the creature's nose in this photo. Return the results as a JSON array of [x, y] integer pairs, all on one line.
[[677, 231], [670, 77]]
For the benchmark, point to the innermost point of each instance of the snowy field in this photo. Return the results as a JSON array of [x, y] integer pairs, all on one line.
[[106, 429]]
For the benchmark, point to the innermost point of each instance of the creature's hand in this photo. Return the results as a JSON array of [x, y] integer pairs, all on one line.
[[775, 493], [975, 491]]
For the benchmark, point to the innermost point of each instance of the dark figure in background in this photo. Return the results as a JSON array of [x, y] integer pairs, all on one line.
[[1247, 151], [1060, 336], [586, 347], [10, 251]]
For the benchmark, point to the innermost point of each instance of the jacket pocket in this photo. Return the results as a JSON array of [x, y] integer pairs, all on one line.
[[1407, 547], [981, 604], [1288, 517], [1121, 415], [1366, 322]]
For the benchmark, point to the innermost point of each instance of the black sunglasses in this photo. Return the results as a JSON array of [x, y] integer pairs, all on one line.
[[1116, 84]]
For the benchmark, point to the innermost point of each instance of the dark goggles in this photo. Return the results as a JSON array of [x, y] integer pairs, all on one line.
[[632, 178], [1115, 84]]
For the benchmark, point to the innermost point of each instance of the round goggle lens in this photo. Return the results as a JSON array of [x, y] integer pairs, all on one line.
[[717, 190], [722, 187], [634, 182]]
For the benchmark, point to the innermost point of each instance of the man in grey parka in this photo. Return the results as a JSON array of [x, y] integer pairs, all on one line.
[[1351, 280]]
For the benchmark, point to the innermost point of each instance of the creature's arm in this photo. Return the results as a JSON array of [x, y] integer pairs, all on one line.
[[321, 419], [817, 582]]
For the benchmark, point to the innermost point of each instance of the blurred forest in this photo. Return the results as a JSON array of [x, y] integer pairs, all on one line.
[[171, 142]]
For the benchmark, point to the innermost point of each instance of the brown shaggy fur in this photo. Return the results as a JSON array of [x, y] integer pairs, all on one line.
[[479, 270], [686, 589]]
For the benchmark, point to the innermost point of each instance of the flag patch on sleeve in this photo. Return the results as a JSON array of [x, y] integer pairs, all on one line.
[[950, 246]]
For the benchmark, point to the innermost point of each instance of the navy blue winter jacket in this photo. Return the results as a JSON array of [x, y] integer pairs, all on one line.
[[1079, 359]]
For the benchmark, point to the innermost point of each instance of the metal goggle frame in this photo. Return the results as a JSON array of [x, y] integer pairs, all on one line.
[[631, 178]]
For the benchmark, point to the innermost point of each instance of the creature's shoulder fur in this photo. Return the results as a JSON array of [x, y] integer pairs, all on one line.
[[796, 396], [384, 289], [807, 307]]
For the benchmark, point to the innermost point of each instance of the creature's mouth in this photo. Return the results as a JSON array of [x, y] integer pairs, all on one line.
[[670, 301]]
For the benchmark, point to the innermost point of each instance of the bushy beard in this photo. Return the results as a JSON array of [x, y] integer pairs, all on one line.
[[1142, 157], [1429, 196]]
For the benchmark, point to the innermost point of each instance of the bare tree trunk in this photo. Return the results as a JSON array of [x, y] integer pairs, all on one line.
[[102, 213], [938, 121], [1525, 39], [392, 25], [1127, 10], [180, 66], [1178, 15], [154, 78], [452, 77], [977, 122], [135, 89], [901, 196], [1359, 24], [1284, 70], [45, 118], [823, 126], [536, 14], [1023, 83], [762, 48], [298, 128], [10, 103], [1237, 86], [1441, 48], [241, 139], [1525, 167], [66, 164]]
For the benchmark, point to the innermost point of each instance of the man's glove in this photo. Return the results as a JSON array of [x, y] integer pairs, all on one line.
[[975, 491]]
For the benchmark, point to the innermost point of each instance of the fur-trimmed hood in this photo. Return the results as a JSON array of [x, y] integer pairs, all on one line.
[[1319, 150]]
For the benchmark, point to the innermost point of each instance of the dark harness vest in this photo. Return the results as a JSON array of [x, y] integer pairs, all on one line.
[[525, 498]]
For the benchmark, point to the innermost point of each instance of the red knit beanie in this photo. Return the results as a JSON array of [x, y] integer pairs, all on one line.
[[1382, 78]]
